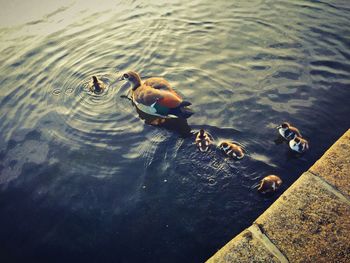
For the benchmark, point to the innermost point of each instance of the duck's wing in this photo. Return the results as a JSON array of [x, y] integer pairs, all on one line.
[[210, 137], [296, 131], [158, 83], [169, 99], [149, 96]]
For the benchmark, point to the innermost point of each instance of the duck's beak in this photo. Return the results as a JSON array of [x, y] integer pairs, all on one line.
[[121, 77]]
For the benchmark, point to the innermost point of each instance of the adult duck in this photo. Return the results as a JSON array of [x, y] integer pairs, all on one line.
[[156, 97]]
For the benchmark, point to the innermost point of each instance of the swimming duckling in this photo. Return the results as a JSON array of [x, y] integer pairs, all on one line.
[[232, 149], [269, 184], [156, 97], [287, 131], [97, 86], [203, 140], [299, 144]]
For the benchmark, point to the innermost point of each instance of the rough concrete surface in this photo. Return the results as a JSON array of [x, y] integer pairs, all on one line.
[[243, 249], [334, 166]]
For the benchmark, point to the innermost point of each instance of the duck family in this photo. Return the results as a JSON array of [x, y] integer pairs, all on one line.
[[156, 97]]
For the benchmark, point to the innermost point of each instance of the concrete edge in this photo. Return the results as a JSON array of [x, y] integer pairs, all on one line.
[[259, 234]]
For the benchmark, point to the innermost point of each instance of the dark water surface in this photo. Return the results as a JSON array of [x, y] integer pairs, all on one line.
[[83, 179]]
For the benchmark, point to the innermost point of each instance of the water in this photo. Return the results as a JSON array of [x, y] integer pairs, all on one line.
[[83, 178]]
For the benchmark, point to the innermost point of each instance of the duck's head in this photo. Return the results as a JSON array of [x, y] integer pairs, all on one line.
[[284, 125], [223, 145], [133, 78], [201, 132]]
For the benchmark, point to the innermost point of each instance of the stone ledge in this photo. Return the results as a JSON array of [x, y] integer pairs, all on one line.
[[334, 166], [244, 248], [310, 222]]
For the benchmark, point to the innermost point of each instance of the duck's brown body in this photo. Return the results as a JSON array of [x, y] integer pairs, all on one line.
[[157, 89], [269, 184], [155, 96]]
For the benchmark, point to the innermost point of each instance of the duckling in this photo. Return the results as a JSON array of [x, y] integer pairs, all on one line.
[[97, 86], [203, 140], [232, 150], [287, 131], [156, 97], [299, 144], [269, 184]]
